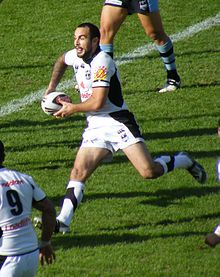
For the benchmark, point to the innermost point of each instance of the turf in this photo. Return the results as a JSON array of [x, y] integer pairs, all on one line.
[[125, 226]]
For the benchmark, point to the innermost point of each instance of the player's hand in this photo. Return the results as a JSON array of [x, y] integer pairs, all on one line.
[[47, 255], [66, 110]]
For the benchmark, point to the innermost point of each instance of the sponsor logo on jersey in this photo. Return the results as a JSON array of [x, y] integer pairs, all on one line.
[[12, 182], [100, 73], [82, 85], [20, 224], [85, 95]]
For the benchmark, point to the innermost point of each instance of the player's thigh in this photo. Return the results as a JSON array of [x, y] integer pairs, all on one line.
[[111, 19], [140, 157], [87, 160]]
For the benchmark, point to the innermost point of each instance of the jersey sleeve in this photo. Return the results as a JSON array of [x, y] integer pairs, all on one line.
[[69, 57], [103, 69], [38, 193]]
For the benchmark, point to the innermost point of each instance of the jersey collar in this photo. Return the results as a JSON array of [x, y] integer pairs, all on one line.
[[88, 61]]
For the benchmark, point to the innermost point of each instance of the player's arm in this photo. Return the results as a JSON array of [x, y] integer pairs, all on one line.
[[94, 103], [58, 71], [48, 225]]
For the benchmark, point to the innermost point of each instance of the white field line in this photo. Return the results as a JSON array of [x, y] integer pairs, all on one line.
[[139, 52]]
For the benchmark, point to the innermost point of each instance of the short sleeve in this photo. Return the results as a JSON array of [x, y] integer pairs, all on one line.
[[38, 193], [103, 69]]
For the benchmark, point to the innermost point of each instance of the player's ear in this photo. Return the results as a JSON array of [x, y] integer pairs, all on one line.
[[95, 41]]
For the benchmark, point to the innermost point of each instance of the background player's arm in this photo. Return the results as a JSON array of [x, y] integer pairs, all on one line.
[[48, 225]]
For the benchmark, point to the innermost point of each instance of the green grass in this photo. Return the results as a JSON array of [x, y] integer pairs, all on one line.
[[125, 226]]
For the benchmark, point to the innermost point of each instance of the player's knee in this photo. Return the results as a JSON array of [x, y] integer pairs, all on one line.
[[107, 34], [149, 173], [103, 32], [78, 173], [157, 37]]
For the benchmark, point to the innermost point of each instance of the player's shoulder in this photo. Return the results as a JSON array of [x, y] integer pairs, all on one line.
[[105, 55], [103, 58], [12, 174]]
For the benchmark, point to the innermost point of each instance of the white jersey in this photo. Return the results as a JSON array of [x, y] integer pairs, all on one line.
[[100, 71], [17, 192], [113, 126]]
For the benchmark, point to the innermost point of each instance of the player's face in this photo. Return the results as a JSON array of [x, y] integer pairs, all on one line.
[[83, 43]]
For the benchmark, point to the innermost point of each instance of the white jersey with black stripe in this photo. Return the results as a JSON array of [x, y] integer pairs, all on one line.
[[17, 192], [100, 71]]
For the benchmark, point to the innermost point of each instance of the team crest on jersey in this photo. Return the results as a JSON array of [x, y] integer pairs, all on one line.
[[143, 5], [100, 73], [88, 74]]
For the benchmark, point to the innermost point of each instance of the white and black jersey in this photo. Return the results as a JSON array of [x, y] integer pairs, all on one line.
[[17, 192], [100, 71], [113, 126]]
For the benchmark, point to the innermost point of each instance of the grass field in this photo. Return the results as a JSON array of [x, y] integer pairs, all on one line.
[[125, 226]]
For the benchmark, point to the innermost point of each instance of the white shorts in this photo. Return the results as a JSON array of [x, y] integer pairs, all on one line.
[[115, 131], [21, 265]]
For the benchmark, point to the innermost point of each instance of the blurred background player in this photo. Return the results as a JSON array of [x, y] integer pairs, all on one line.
[[111, 126], [214, 238], [113, 15], [19, 248]]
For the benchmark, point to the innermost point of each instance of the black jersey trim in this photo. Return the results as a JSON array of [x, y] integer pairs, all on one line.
[[115, 92], [128, 119], [2, 260]]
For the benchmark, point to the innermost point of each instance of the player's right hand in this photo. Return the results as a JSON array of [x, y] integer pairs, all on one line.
[[47, 255]]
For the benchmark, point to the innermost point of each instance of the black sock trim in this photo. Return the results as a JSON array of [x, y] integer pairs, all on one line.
[[70, 195], [170, 164], [167, 54]]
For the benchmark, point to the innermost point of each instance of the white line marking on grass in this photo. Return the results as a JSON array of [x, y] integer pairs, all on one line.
[[188, 32], [139, 52]]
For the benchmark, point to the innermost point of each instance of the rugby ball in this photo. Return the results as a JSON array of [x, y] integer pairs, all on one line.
[[50, 103]]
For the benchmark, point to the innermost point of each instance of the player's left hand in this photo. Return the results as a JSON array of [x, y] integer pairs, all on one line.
[[66, 110]]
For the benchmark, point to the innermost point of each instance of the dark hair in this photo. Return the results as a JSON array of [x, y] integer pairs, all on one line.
[[93, 29], [2, 152]]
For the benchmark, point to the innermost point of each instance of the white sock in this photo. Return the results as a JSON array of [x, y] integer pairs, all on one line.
[[72, 200], [217, 231], [170, 163], [182, 161], [66, 213]]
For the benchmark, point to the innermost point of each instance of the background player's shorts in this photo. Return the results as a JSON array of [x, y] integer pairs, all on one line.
[[20, 266], [115, 131], [135, 6]]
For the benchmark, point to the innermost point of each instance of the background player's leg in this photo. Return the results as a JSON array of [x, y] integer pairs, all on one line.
[[153, 27], [110, 22]]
